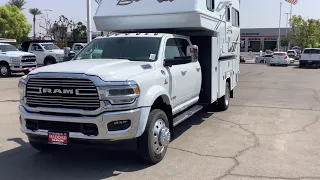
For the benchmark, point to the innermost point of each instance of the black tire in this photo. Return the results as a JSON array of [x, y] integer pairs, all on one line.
[[224, 101], [42, 147], [5, 70], [49, 62], [26, 72], [148, 141]]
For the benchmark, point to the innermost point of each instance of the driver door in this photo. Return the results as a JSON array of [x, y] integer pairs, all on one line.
[[38, 51], [178, 80]]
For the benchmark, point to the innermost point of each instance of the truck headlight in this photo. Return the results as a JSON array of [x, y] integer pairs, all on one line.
[[15, 60], [59, 57], [22, 87], [117, 95]]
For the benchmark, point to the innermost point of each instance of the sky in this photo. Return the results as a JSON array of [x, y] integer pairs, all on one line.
[[253, 13]]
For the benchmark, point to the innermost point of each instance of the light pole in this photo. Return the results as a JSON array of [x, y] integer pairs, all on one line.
[[279, 26], [287, 26], [89, 35]]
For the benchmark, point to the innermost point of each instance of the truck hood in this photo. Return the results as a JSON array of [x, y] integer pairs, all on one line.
[[16, 53], [106, 69], [55, 51]]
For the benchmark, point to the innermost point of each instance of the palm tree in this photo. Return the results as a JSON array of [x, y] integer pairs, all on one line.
[[18, 3], [35, 12]]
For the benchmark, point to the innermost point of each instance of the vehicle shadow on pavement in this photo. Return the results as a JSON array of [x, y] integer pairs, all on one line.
[[73, 163], [94, 162]]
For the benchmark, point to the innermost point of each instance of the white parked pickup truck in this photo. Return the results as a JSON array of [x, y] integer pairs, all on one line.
[[46, 51], [310, 57], [12, 60], [148, 78]]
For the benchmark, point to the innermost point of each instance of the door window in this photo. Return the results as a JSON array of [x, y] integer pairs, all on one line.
[[183, 45], [36, 47], [172, 49]]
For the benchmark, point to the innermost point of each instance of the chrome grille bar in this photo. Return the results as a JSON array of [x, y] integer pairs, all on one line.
[[70, 93]]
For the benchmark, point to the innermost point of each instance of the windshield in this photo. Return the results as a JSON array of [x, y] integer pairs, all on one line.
[[311, 51], [132, 48], [50, 46], [291, 52], [5, 48]]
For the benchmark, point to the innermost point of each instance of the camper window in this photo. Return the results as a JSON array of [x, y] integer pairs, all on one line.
[[210, 5], [235, 17], [228, 15]]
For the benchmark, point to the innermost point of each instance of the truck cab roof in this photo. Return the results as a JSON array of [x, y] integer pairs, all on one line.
[[140, 35]]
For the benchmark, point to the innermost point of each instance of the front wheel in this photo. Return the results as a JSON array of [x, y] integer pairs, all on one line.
[[5, 70], [153, 143]]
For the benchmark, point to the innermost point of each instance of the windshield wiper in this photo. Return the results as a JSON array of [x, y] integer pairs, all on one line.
[[121, 58]]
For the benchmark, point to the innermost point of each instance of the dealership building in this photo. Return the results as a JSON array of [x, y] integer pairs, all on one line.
[[257, 39]]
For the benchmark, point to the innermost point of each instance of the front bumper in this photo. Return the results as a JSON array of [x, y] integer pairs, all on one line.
[[23, 67], [279, 62], [138, 118], [315, 63]]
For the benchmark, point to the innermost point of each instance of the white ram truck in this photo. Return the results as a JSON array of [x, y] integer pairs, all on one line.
[[13, 61], [169, 61], [46, 51]]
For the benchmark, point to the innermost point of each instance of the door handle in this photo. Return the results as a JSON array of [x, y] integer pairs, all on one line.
[[183, 73], [198, 69]]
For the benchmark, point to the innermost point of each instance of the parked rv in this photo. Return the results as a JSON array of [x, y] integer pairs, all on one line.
[[166, 62]]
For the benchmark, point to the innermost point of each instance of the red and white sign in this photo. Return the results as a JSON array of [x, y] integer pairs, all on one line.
[[58, 138], [294, 2]]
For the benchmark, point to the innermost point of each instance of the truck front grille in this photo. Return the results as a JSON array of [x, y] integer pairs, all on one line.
[[70, 93], [84, 128], [28, 59]]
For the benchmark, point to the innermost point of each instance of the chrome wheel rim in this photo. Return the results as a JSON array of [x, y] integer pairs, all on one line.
[[4, 70], [161, 136]]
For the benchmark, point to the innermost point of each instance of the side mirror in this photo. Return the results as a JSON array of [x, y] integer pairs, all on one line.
[[177, 61], [193, 51]]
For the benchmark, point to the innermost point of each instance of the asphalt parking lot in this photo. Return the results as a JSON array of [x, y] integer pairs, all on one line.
[[271, 131]]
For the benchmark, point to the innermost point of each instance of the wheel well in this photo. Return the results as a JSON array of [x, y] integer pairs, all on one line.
[[4, 62], [163, 103], [231, 91], [49, 58]]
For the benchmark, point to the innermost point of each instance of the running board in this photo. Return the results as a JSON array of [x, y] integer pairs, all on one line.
[[190, 112]]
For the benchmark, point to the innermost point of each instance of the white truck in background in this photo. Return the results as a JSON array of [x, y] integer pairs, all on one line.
[[13, 61], [310, 57], [168, 60], [46, 51]]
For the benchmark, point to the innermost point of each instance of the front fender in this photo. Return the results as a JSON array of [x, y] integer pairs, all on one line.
[[146, 101], [148, 98]]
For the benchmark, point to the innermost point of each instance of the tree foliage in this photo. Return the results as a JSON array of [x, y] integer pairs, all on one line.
[[79, 32], [13, 23], [17, 3], [284, 42], [306, 32]]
